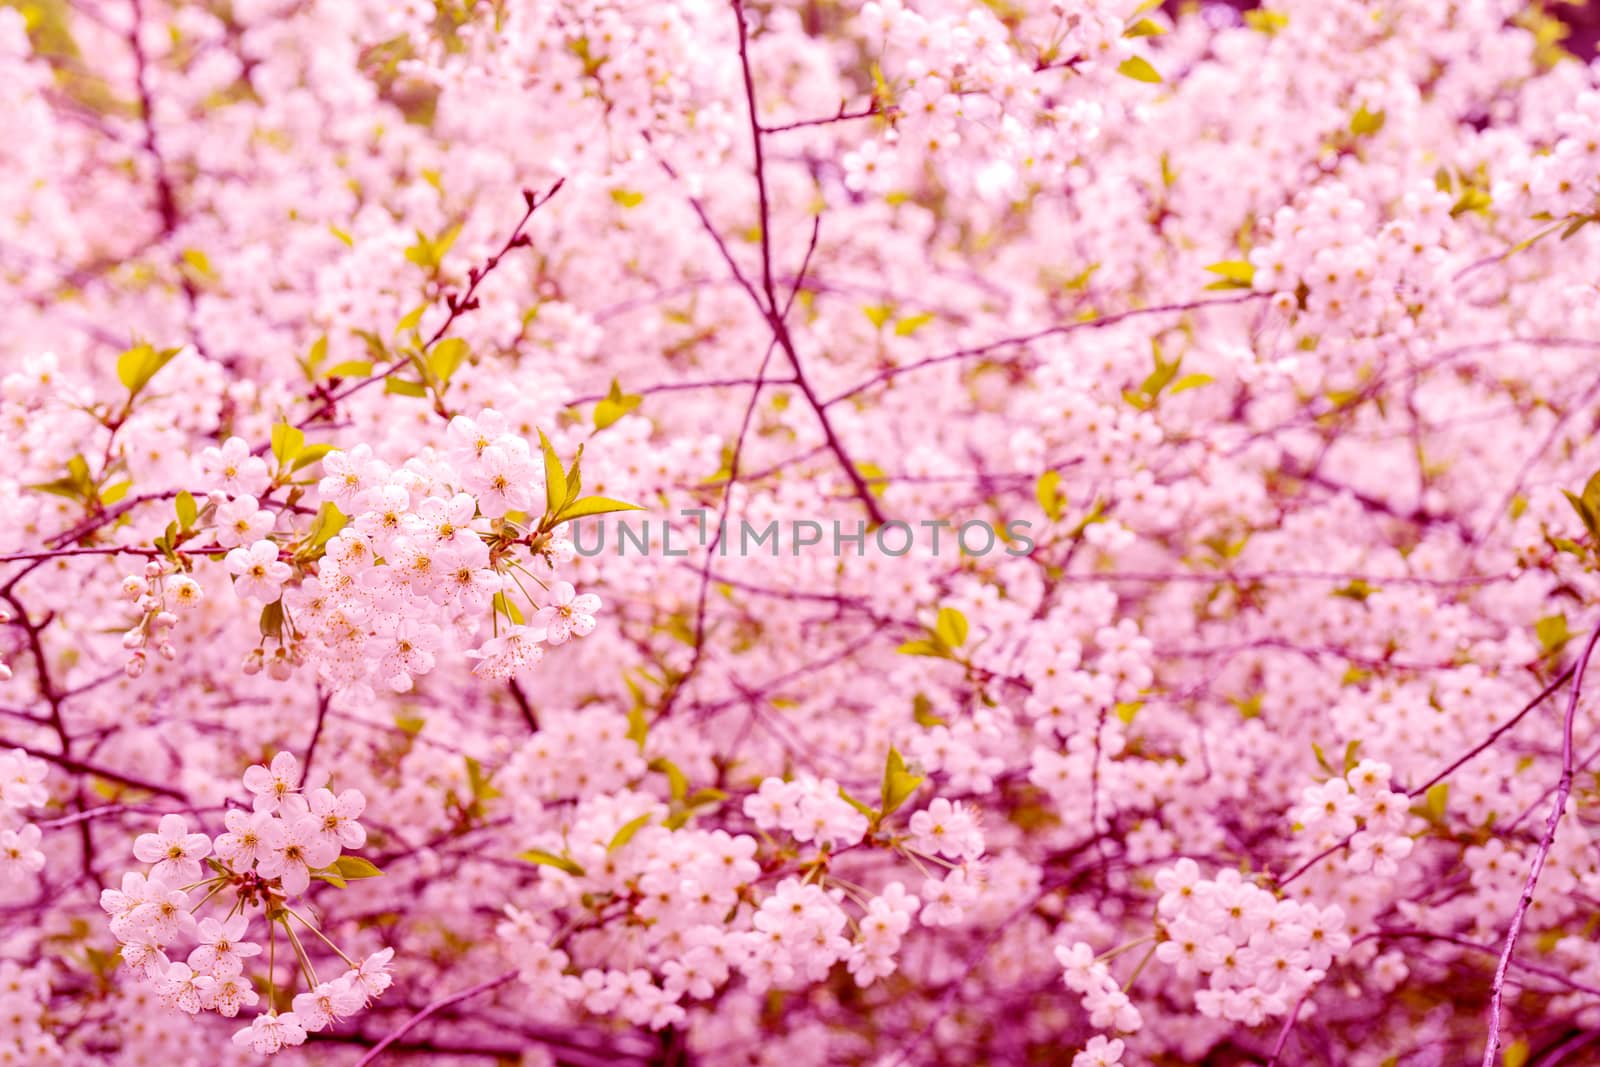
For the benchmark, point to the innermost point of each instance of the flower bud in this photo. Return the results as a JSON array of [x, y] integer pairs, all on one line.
[[133, 639], [135, 665], [252, 662], [167, 651]]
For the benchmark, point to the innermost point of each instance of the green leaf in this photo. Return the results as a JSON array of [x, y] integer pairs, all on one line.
[[354, 867], [310, 454], [1267, 22], [1352, 755], [111, 494], [188, 510], [314, 358], [402, 387], [627, 197], [1048, 492], [677, 781], [287, 441], [508, 608], [1236, 274], [594, 506], [1552, 632], [898, 783], [428, 253], [1139, 69], [139, 364], [1144, 28], [550, 859], [1190, 381], [1435, 799], [1358, 589], [351, 368], [1126, 710], [272, 620], [1365, 123], [1515, 1055], [329, 521], [625, 834], [447, 356], [412, 318], [951, 627], [638, 725], [555, 478], [871, 813], [701, 797], [912, 323], [923, 647], [615, 405], [878, 314], [575, 476]]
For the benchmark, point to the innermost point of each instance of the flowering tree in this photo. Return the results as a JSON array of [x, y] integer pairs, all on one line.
[[731, 532]]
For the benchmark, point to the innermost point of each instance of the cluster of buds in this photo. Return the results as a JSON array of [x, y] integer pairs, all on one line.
[[279, 665], [155, 593]]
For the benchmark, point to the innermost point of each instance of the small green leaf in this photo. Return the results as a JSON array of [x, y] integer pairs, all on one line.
[[1139, 69], [1435, 800], [615, 405], [625, 834], [627, 197], [1265, 21], [1048, 492], [677, 781], [1144, 28], [310, 454], [1352, 755], [287, 441], [447, 356], [871, 813], [329, 521], [139, 364], [951, 627], [912, 323], [351, 368], [1189, 381], [188, 510], [412, 318], [555, 478], [1236, 274], [111, 494], [878, 314], [1364, 123], [550, 859], [402, 387], [924, 647], [1552, 632], [509, 609], [898, 783], [1515, 1055], [353, 867], [1126, 710]]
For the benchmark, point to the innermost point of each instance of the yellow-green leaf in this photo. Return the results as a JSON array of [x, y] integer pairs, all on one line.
[[951, 627], [1139, 69], [625, 834], [898, 783], [550, 859]]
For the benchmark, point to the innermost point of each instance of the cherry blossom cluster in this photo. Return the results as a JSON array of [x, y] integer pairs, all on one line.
[[265, 859]]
